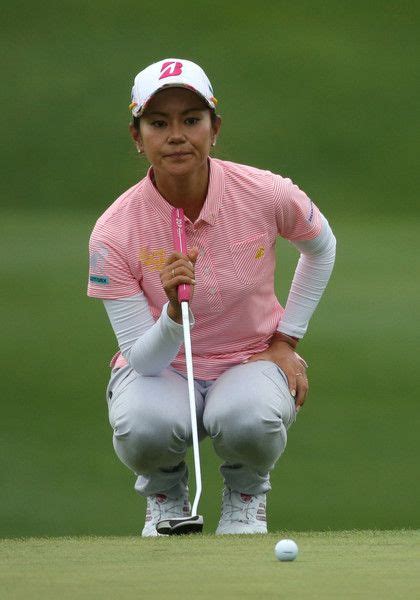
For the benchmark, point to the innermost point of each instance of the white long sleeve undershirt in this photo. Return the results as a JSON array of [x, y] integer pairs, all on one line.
[[311, 276], [149, 346]]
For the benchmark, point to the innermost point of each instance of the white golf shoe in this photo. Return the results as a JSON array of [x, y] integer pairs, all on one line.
[[242, 513], [160, 507]]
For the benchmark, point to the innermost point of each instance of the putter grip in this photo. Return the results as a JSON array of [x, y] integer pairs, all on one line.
[[180, 245]]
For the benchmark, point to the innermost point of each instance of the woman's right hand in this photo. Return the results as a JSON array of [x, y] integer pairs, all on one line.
[[178, 268]]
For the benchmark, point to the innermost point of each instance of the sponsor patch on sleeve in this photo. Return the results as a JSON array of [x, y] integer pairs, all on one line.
[[311, 211], [98, 258], [101, 279]]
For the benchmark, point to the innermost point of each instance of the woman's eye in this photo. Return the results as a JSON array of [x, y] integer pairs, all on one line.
[[191, 120], [158, 124]]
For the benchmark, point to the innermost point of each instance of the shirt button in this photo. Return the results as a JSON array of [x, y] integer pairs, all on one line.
[[212, 291], [206, 271], [202, 252]]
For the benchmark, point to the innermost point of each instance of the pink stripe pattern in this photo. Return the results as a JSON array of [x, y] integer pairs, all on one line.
[[234, 304]]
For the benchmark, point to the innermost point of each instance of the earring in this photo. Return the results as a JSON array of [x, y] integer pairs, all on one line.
[[213, 143], [139, 150]]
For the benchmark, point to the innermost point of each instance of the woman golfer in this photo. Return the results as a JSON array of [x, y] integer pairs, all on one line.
[[249, 381]]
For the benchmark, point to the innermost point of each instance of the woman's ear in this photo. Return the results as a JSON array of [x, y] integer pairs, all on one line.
[[216, 125], [135, 134]]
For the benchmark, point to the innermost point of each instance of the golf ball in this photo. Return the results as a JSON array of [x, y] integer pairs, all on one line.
[[286, 550]]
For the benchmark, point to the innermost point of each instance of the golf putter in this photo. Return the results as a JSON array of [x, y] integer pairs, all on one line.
[[194, 523]]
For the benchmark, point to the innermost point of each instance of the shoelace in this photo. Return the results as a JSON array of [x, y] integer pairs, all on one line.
[[244, 510], [167, 509]]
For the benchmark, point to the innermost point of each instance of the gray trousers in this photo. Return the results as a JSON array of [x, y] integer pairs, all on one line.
[[246, 412]]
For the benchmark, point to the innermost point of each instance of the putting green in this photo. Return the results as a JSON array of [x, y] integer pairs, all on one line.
[[348, 564]]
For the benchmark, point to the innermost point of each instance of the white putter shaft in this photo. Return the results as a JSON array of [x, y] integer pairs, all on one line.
[[191, 395], [193, 523]]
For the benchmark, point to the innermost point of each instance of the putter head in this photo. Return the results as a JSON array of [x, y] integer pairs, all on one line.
[[181, 526]]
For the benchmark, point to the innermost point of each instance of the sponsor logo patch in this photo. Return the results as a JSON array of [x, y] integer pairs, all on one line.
[[311, 212], [101, 279], [98, 257], [260, 252], [153, 260], [171, 69]]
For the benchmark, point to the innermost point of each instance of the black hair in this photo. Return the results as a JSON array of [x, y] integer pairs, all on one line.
[[136, 123]]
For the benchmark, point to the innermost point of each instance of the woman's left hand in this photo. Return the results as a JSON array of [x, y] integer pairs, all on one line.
[[292, 365]]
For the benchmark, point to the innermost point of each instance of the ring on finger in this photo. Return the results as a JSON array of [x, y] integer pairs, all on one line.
[[173, 272]]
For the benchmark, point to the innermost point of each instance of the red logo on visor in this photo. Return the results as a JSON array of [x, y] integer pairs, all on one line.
[[171, 69]]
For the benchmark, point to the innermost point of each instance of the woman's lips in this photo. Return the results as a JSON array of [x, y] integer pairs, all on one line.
[[177, 154]]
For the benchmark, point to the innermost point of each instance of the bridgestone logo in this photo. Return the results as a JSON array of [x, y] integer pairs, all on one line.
[[171, 69]]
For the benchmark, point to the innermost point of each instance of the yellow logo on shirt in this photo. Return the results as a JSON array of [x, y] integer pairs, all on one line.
[[260, 252], [153, 260]]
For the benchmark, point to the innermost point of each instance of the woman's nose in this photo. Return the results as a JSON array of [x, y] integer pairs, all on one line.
[[176, 134]]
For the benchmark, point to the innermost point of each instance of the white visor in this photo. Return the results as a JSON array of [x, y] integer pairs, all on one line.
[[170, 72]]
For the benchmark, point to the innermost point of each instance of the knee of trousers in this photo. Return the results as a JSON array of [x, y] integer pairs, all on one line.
[[145, 444], [245, 437]]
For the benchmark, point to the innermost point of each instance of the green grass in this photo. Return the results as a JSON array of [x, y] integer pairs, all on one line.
[[348, 564], [325, 92]]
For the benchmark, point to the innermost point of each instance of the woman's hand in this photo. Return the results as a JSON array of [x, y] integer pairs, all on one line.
[[293, 366], [178, 268]]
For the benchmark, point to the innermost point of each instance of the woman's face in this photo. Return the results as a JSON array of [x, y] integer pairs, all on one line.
[[176, 131]]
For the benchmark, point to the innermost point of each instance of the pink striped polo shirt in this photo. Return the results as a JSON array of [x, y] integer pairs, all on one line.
[[235, 308]]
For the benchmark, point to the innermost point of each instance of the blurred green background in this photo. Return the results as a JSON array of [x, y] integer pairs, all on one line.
[[323, 92]]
